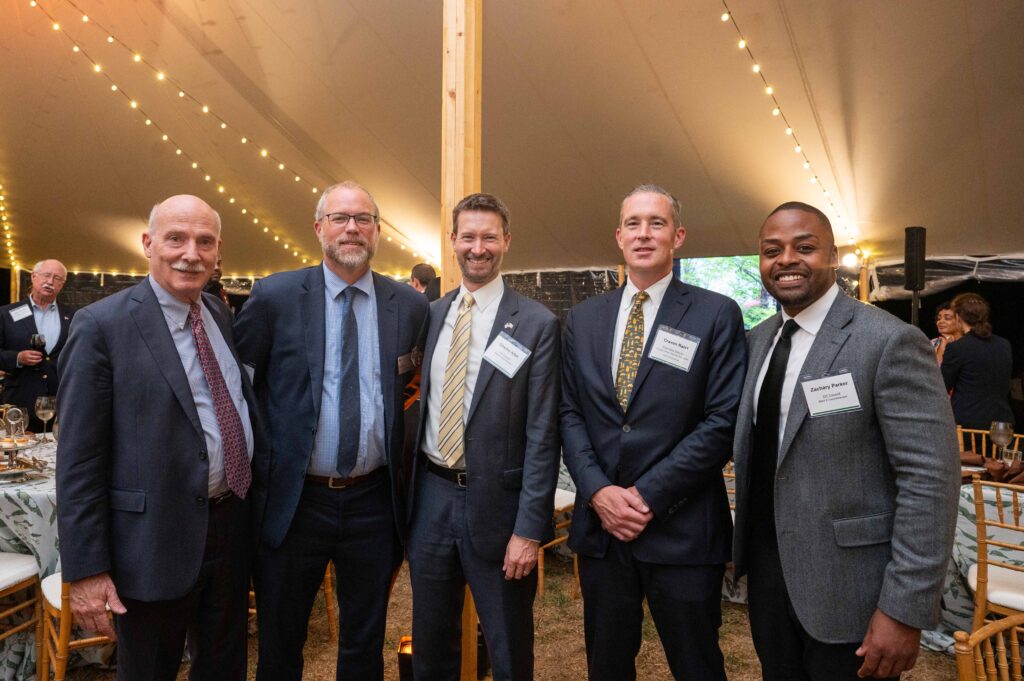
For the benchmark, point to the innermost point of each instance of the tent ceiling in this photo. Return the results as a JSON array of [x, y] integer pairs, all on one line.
[[911, 113]]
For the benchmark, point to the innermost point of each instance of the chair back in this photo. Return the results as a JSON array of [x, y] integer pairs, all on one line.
[[977, 441], [730, 484], [1000, 539], [992, 653]]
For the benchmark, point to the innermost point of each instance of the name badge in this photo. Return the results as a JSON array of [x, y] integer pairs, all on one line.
[[673, 347], [507, 354], [405, 363], [20, 312], [831, 394]]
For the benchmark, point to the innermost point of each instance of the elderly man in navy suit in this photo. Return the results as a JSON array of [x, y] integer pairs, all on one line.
[[331, 349], [159, 449], [32, 371], [652, 376]]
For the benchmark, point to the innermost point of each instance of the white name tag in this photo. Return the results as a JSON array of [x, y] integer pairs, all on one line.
[[507, 354], [19, 313], [831, 394], [673, 347]]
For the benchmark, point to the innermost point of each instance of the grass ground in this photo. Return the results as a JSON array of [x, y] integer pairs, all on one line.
[[560, 655]]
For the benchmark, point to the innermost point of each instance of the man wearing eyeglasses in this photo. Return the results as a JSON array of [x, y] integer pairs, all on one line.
[[32, 371], [330, 347]]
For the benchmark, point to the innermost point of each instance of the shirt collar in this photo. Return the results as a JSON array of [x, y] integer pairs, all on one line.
[[335, 284], [173, 309], [34, 306], [484, 296], [656, 291], [811, 317]]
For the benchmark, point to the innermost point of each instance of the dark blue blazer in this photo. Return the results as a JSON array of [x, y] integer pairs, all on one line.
[[675, 435], [24, 384], [280, 333], [132, 470]]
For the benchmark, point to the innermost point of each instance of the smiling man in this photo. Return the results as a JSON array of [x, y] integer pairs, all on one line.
[[846, 471], [487, 459], [651, 380]]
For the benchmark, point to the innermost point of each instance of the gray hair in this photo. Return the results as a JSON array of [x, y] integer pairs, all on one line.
[[39, 265], [347, 184], [657, 189], [151, 228]]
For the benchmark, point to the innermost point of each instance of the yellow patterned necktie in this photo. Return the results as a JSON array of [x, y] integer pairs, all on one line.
[[453, 395], [632, 348]]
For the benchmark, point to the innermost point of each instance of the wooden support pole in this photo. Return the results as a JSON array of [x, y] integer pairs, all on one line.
[[462, 67], [864, 283]]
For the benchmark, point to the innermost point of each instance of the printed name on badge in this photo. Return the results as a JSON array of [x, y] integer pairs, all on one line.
[[831, 394], [19, 313], [507, 354], [674, 347]]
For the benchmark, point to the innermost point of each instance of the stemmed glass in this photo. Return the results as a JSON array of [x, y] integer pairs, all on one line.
[[1001, 434], [46, 407]]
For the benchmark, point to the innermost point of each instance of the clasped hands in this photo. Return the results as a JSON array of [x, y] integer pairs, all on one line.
[[623, 512]]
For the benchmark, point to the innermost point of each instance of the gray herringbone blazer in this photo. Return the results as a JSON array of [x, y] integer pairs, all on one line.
[[865, 501]]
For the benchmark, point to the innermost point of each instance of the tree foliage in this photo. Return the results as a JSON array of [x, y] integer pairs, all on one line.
[[736, 276]]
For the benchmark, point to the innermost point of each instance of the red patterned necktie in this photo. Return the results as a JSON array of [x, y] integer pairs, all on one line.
[[232, 436]]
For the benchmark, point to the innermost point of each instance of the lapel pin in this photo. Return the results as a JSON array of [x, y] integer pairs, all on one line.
[[508, 325]]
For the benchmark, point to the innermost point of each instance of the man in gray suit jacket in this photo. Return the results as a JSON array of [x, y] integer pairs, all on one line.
[[846, 471], [487, 460]]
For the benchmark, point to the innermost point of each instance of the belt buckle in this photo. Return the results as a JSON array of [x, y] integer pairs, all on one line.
[[342, 484], [460, 478]]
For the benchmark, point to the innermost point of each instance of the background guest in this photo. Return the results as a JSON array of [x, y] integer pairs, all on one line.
[[948, 327], [977, 367], [425, 280]]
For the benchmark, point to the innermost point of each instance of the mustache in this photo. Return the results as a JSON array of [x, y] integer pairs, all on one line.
[[191, 268]]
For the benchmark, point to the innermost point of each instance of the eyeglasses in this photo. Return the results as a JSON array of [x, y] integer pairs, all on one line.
[[48, 276], [341, 219]]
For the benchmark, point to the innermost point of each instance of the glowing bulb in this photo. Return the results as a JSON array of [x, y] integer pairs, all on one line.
[[181, 93], [207, 178], [814, 180], [231, 200], [769, 90], [297, 178], [277, 238], [85, 17], [389, 239], [220, 189], [756, 68], [798, 149], [280, 166], [206, 109], [161, 75], [97, 68], [789, 131], [245, 140], [76, 48], [178, 152], [56, 26], [725, 16], [314, 190], [165, 138], [113, 88], [295, 253], [304, 260], [32, 4], [223, 126], [263, 153], [807, 165], [850, 260], [266, 229], [135, 105], [775, 111], [194, 164], [286, 247], [110, 39], [402, 246], [244, 211], [149, 121], [255, 221], [415, 255], [742, 44], [137, 58]]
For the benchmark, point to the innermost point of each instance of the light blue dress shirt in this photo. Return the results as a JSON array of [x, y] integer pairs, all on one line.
[[372, 454], [176, 315], [47, 322]]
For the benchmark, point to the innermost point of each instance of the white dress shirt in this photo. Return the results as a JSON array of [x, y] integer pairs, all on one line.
[[809, 320], [47, 322], [656, 291], [484, 311]]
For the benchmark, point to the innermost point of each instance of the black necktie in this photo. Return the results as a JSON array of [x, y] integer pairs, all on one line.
[[766, 431], [348, 404]]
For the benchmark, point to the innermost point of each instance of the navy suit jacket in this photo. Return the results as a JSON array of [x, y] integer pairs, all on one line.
[[511, 436], [24, 384], [280, 333], [132, 469], [673, 438]]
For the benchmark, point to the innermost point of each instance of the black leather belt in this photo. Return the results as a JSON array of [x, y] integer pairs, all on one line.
[[449, 474], [343, 483]]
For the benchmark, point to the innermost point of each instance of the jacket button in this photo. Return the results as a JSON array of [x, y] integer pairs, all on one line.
[[626, 428], [200, 501], [44, 376], [202, 455]]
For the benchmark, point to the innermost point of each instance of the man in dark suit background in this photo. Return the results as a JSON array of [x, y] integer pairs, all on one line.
[[847, 471], [652, 375], [32, 372], [487, 460], [331, 350], [158, 429]]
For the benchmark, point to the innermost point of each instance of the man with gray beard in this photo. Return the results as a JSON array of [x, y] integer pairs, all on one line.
[[330, 348]]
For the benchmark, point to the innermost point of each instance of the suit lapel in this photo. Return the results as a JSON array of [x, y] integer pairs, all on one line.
[[311, 302], [827, 343], [604, 338], [673, 306], [508, 308], [65, 325], [387, 339], [149, 320], [760, 339]]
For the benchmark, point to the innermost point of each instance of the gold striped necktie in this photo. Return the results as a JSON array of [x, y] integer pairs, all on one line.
[[452, 427], [632, 348]]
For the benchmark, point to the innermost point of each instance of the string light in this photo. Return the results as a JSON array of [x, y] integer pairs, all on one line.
[[778, 112], [8, 226]]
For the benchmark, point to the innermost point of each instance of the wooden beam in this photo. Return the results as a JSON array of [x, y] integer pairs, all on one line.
[[462, 66], [864, 282]]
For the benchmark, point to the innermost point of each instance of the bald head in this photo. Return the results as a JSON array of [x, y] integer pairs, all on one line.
[[183, 205], [182, 244]]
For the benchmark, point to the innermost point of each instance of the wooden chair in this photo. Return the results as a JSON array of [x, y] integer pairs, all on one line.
[[998, 583], [59, 623], [991, 653], [729, 474], [977, 441], [564, 502], [329, 599], [19, 574]]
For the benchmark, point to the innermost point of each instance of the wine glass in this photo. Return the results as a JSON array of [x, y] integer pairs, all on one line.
[[1001, 433], [37, 341], [46, 407]]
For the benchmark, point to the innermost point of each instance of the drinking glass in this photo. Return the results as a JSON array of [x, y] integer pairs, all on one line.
[[1011, 457], [1001, 434], [46, 407]]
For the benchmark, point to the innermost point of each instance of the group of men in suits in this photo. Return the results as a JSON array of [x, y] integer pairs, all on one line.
[[194, 454]]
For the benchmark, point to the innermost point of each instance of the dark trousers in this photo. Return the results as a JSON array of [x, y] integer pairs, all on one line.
[[442, 561], [151, 635], [786, 651], [354, 528], [685, 603]]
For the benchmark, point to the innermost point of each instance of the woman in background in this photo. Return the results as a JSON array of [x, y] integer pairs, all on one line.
[[948, 327], [977, 367]]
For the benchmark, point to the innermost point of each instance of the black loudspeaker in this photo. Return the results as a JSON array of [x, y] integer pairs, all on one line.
[[913, 259]]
